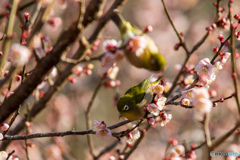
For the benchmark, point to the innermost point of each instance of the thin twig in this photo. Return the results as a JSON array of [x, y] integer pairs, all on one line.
[[222, 44], [223, 99], [88, 120], [10, 154], [134, 147], [175, 29], [177, 103], [12, 120]]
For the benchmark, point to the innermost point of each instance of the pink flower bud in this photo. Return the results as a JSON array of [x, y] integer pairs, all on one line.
[[209, 28], [26, 16], [151, 120], [4, 126], [110, 83], [236, 16], [221, 38], [215, 3], [214, 104], [193, 146], [72, 80], [148, 29], [103, 125], [1, 53], [212, 93], [235, 25], [234, 75], [215, 50], [220, 9], [129, 136], [214, 26], [221, 99], [173, 141], [236, 55], [18, 78]]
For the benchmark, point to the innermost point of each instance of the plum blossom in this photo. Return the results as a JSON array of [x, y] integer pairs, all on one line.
[[176, 152], [132, 136], [155, 89], [110, 45], [185, 101], [102, 131], [96, 125], [224, 57], [137, 44], [20, 54], [4, 126], [161, 102], [206, 71], [164, 118], [3, 155], [153, 108], [201, 102], [188, 94]]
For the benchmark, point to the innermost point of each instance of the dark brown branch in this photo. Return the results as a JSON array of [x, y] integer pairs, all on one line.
[[52, 134]]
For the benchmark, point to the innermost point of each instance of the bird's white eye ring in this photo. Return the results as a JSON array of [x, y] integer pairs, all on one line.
[[126, 107]]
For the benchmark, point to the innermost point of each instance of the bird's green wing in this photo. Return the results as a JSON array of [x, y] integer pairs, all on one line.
[[139, 90]]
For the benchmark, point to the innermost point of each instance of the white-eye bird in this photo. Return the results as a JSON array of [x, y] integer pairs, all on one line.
[[140, 50], [131, 104]]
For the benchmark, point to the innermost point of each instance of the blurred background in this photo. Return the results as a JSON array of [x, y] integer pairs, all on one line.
[[66, 110]]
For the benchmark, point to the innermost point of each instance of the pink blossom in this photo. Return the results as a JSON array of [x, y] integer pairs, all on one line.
[[96, 125], [108, 60], [164, 118], [119, 55], [224, 57], [104, 133], [156, 89], [206, 71], [201, 93], [167, 86], [3, 155], [185, 101], [137, 44], [179, 149], [161, 102], [189, 80], [4, 126], [202, 105], [153, 108], [110, 45], [135, 134], [20, 54], [151, 120], [188, 94]]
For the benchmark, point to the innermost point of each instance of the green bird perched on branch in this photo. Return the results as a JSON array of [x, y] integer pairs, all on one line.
[[140, 50], [131, 104]]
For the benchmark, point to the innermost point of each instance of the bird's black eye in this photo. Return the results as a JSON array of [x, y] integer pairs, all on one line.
[[126, 107]]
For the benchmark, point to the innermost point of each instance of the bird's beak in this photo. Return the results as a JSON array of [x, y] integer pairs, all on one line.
[[121, 114]]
